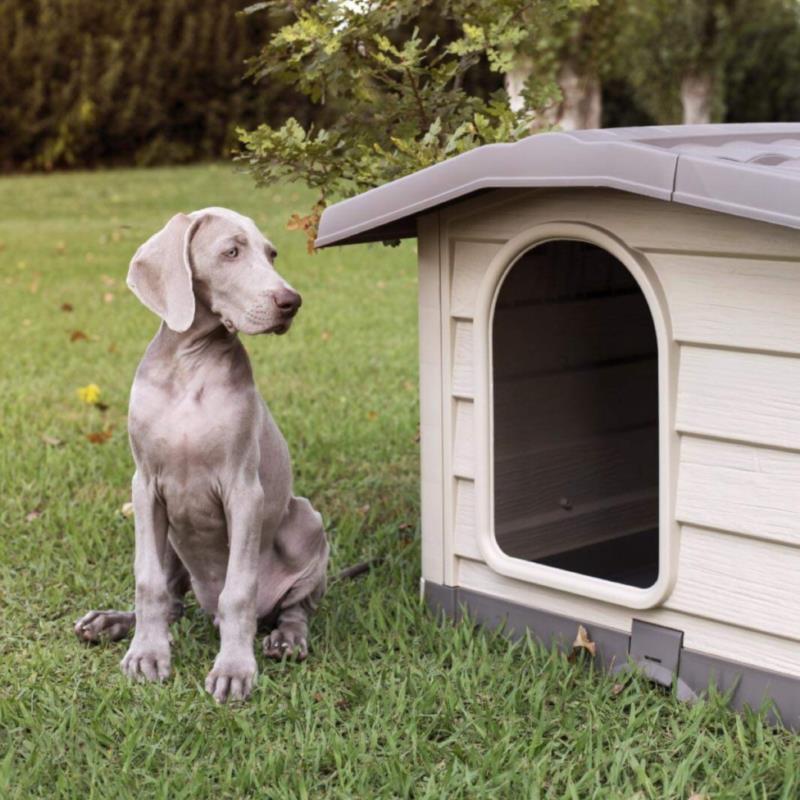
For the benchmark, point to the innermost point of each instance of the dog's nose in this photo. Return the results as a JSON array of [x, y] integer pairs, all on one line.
[[287, 300]]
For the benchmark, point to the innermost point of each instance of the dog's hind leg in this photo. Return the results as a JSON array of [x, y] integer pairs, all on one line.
[[290, 637], [296, 574], [98, 626]]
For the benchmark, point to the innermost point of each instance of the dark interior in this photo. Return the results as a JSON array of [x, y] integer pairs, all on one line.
[[575, 364]]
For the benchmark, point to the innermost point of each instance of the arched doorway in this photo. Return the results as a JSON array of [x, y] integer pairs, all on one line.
[[576, 429]]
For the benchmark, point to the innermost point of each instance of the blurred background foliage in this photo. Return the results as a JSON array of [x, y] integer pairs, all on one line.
[[93, 82], [89, 82]]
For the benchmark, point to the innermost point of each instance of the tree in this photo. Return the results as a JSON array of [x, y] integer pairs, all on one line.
[[762, 79], [400, 95], [578, 52], [677, 52], [84, 82]]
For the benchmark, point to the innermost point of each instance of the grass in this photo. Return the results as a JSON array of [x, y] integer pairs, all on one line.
[[391, 704]]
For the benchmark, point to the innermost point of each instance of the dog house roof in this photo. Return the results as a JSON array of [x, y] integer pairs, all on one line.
[[749, 170]]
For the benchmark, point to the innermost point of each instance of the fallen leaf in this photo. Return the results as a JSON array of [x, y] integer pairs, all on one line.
[[98, 437], [326, 336], [90, 394], [107, 280], [112, 348], [35, 284], [51, 441], [126, 510], [2, 246], [78, 336], [66, 307], [409, 386], [372, 415], [342, 703], [32, 515], [381, 284], [617, 688], [363, 509], [61, 247], [318, 697], [582, 642], [108, 297]]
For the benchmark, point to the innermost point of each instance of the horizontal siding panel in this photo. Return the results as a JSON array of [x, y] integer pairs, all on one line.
[[463, 385], [466, 543], [734, 487], [546, 337], [574, 404], [702, 635], [735, 302], [641, 222], [464, 440], [751, 397], [578, 473], [745, 582], [470, 262], [555, 532]]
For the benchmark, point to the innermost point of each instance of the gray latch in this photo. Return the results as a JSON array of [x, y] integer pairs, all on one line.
[[656, 650]]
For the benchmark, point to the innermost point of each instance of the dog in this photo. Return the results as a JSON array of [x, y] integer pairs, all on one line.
[[212, 492]]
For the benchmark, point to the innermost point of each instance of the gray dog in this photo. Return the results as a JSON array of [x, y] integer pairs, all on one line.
[[212, 491]]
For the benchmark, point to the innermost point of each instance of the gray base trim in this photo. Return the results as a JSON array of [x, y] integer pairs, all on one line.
[[749, 686]]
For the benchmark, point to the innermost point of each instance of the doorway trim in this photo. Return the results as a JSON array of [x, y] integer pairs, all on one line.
[[540, 574]]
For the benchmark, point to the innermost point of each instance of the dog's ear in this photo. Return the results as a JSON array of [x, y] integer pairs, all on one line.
[[160, 273]]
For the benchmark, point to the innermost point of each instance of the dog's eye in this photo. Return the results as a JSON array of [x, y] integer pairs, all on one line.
[[232, 253]]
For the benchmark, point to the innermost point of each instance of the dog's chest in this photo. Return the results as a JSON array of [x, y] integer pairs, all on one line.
[[185, 436]]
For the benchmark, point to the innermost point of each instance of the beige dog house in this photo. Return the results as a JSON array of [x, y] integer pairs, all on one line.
[[610, 392]]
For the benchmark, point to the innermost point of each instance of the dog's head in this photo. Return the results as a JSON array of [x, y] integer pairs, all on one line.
[[218, 258]]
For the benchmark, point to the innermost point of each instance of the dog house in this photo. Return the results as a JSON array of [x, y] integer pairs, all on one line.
[[610, 393]]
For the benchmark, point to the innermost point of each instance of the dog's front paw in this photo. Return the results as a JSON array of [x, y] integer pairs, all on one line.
[[232, 677], [147, 660]]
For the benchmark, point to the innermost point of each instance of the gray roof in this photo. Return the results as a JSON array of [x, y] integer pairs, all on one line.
[[750, 170]]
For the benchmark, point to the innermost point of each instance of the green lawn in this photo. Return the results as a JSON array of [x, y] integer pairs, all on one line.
[[390, 703]]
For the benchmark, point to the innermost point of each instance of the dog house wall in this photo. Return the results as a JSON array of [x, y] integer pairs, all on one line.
[[707, 220], [730, 291]]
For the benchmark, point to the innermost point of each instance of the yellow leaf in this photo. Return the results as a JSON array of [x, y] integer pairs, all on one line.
[[90, 394]]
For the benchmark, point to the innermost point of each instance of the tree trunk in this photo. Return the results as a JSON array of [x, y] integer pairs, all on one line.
[[697, 95], [515, 82], [582, 103]]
